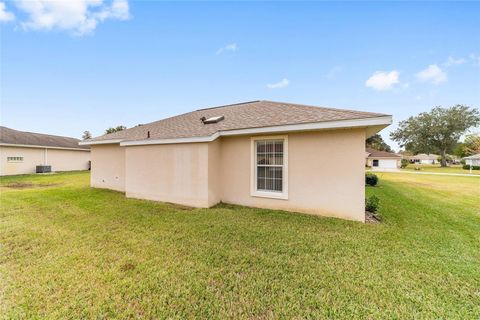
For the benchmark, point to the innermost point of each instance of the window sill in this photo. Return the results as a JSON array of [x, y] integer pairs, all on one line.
[[271, 195]]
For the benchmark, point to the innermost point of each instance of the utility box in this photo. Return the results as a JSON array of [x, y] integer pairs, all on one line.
[[44, 169]]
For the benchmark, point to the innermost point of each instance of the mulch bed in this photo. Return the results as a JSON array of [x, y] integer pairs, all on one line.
[[371, 218]]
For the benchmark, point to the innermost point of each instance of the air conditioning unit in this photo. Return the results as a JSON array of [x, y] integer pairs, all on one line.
[[44, 169]]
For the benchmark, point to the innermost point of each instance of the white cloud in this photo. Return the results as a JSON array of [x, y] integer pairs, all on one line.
[[432, 73], [78, 16], [333, 72], [5, 16], [381, 80], [232, 47], [282, 84], [475, 58], [452, 61]]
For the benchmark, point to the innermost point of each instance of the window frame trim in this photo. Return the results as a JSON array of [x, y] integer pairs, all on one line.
[[15, 161], [253, 169]]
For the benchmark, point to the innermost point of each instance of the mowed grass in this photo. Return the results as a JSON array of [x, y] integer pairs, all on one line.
[[438, 169], [68, 252]]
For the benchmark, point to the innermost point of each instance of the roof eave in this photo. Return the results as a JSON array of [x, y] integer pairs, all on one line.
[[41, 147], [377, 123], [93, 142]]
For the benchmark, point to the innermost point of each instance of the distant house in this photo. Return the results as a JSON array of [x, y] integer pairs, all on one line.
[[21, 152], [423, 158], [261, 154], [382, 159], [473, 160]]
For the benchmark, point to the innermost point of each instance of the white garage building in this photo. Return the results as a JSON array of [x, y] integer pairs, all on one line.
[[473, 160], [382, 159]]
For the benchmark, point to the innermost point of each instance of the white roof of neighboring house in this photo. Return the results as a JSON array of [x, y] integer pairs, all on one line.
[[424, 156], [474, 157]]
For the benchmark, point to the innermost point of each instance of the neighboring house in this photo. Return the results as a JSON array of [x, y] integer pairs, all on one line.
[[261, 154], [473, 160], [423, 158], [382, 159], [21, 152]]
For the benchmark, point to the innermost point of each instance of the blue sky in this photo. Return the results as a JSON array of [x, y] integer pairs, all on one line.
[[91, 66]]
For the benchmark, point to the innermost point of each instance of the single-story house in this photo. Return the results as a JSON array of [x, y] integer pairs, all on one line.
[[473, 160], [382, 159], [423, 158], [261, 154], [21, 152]]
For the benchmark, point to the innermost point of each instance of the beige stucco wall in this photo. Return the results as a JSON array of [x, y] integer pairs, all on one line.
[[60, 160], [68, 160], [214, 166], [108, 167], [326, 174], [176, 173]]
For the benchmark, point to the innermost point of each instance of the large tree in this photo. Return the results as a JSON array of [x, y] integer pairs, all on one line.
[[470, 146], [376, 142], [115, 129], [86, 135], [437, 131]]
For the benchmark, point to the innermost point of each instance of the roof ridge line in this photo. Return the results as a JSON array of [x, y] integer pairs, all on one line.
[[229, 105], [322, 107]]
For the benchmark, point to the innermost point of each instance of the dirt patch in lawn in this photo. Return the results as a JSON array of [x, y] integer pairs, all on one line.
[[127, 266], [25, 185], [371, 218]]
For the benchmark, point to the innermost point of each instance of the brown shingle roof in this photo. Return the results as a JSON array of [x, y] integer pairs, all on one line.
[[254, 114], [381, 154], [11, 136]]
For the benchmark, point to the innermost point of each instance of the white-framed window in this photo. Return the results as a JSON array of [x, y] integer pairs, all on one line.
[[269, 167], [14, 159]]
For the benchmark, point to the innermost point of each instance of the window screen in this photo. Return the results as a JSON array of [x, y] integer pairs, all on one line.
[[269, 165]]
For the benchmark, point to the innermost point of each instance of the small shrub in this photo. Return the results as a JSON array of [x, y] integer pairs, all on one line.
[[467, 167], [404, 163], [371, 179], [418, 168], [462, 162], [371, 203]]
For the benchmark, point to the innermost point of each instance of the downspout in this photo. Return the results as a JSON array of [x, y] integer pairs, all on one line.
[[45, 157]]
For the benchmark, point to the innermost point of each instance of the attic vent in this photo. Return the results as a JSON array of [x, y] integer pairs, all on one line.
[[212, 119]]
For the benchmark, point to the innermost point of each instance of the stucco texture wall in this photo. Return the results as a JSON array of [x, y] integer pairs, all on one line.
[[68, 160], [31, 158], [176, 173], [60, 160], [108, 167], [326, 174]]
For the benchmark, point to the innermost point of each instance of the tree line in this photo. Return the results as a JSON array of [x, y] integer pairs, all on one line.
[[438, 131]]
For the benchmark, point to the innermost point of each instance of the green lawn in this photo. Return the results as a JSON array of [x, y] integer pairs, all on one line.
[[68, 251], [437, 168]]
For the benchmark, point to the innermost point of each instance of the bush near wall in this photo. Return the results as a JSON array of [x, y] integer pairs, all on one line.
[[372, 203], [467, 167], [371, 179]]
